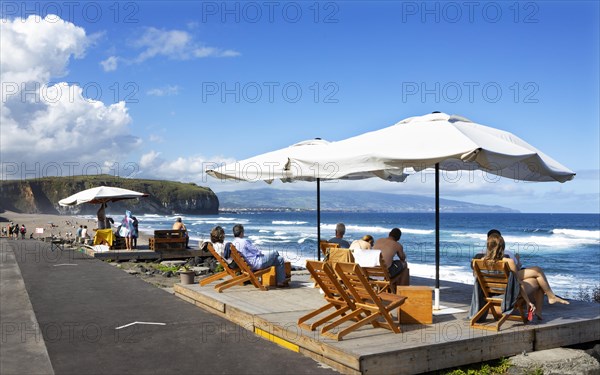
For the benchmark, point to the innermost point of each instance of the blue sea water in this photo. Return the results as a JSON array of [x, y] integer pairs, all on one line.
[[566, 246]]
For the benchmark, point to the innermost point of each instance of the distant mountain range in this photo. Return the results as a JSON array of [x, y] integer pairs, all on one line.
[[353, 201]]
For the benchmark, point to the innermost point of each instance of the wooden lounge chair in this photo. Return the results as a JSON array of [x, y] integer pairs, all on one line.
[[493, 279], [335, 295], [366, 299], [246, 273], [327, 245], [338, 254], [227, 270], [380, 276]]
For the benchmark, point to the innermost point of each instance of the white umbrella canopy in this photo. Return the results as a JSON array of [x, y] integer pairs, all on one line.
[[279, 165], [452, 142], [100, 194], [441, 141]]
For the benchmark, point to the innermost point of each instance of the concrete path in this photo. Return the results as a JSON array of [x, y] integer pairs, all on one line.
[[86, 312], [22, 348]]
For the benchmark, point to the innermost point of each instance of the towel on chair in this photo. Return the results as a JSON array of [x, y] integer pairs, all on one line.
[[367, 258], [509, 298]]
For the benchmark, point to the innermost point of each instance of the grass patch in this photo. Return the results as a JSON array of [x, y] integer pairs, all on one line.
[[163, 268], [496, 367]]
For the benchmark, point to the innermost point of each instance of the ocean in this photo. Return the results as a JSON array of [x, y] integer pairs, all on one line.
[[566, 246]]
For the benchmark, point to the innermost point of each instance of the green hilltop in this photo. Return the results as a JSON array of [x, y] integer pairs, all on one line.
[[41, 195]]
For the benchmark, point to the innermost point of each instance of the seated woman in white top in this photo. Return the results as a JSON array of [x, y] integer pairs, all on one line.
[[364, 243], [217, 237]]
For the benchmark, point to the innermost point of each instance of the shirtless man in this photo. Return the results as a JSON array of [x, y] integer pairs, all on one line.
[[179, 225], [389, 247]]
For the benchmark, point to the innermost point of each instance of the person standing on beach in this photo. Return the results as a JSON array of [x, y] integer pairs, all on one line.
[[15, 231], [127, 229], [258, 259], [179, 225], [79, 233], [23, 230], [340, 230], [101, 214], [135, 232], [390, 246], [84, 234]]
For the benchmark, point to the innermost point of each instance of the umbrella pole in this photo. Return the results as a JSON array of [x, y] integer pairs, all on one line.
[[436, 305], [319, 219]]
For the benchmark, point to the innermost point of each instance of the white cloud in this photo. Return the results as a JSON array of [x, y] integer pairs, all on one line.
[[53, 124], [155, 138], [147, 160], [164, 91], [182, 168], [176, 45], [35, 49], [110, 64]]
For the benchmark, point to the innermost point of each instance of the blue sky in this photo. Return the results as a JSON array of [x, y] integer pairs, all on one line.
[[179, 85]]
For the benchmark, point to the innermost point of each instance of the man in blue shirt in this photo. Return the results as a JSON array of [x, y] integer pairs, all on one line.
[[340, 230], [258, 259]]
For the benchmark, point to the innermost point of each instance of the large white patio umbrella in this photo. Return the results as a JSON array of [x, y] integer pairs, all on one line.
[[100, 194], [453, 142], [436, 140], [277, 165]]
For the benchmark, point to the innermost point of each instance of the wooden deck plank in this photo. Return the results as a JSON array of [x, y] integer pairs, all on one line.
[[448, 342]]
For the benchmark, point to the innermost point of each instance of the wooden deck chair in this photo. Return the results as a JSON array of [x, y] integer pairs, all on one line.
[[246, 273], [336, 296], [493, 279], [227, 270], [338, 254], [326, 245], [373, 264], [379, 275], [366, 299]]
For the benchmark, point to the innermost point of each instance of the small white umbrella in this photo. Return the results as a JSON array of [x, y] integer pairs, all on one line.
[[100, 194]]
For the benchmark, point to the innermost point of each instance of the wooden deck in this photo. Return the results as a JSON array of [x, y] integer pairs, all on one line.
[[143, 253], [448, 342]]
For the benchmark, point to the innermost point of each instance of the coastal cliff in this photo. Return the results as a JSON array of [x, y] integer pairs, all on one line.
[[41, 195]]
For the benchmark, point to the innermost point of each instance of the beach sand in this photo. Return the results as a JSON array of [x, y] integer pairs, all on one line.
[[60, 226]]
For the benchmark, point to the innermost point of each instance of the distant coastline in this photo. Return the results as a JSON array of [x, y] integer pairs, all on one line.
[[274, 200]]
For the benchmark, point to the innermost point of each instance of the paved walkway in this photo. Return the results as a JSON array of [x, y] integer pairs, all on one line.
[[79, 321]]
